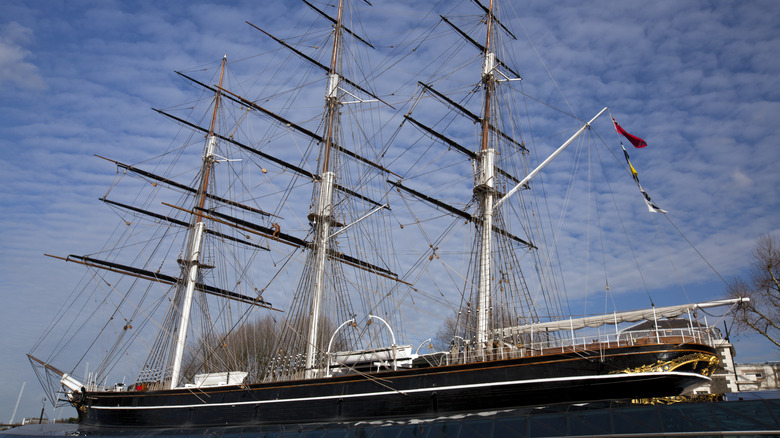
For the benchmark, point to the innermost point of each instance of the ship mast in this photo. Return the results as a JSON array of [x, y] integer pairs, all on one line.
[[191, 262], [324, 205], [484, 190]]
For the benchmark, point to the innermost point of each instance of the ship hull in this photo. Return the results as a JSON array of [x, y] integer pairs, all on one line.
[[581, 376]]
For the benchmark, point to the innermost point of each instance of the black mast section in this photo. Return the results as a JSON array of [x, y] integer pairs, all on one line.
[[458, 212], [471, 115], [333, 20], [477, 45], [163, 278]]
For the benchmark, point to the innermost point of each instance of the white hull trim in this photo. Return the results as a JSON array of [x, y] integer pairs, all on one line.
[[411, 391]]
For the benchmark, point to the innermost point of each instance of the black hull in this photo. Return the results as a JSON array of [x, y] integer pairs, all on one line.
[[583, 376]]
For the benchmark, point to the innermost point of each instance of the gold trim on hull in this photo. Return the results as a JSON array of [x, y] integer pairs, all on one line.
[[703, 363]]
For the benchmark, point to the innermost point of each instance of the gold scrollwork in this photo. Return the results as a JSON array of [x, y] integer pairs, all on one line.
[[706, 364], [695, 398]]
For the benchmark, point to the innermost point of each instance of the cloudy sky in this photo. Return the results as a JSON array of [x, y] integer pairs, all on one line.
[[696, 79]]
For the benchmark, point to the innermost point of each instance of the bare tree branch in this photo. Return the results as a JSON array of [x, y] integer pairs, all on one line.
[[762, 314]]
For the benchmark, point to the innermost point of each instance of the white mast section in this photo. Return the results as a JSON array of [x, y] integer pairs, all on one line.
[[548, 160], [324, 209], [486, 182], [193, 263]]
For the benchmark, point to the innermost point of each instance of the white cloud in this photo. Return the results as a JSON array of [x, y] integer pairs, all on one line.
[[15, 67], [740, 179]]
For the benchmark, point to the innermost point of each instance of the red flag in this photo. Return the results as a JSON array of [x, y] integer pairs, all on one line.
[[636, 141]]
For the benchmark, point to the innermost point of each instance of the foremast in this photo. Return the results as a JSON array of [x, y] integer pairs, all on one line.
[[324, 205], [191, 261]]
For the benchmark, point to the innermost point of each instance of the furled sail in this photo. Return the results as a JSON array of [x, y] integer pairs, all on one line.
[[616, 318]]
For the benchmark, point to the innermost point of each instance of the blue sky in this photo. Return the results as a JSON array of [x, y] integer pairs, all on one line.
[[696, 79]]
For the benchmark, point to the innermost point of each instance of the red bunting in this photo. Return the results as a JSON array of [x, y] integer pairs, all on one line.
[[636, 141]]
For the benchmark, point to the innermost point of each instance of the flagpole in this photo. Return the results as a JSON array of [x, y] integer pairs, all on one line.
[[548, 160]]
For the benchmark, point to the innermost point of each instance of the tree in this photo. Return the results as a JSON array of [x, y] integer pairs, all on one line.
[[445, 335], [247, 347], [762, 285]]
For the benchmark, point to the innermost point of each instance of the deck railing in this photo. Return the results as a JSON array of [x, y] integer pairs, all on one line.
[[463, 351]]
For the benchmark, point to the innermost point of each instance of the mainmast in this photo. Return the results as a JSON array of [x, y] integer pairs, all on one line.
[[191, 262], [324, 205], [484, 189]]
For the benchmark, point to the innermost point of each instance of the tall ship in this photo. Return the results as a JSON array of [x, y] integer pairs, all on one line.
[[282, 260]]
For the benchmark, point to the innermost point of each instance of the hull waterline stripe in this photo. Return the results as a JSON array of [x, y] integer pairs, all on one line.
[[410, 391]]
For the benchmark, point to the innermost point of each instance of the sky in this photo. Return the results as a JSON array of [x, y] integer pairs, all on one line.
[[696, 79]]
